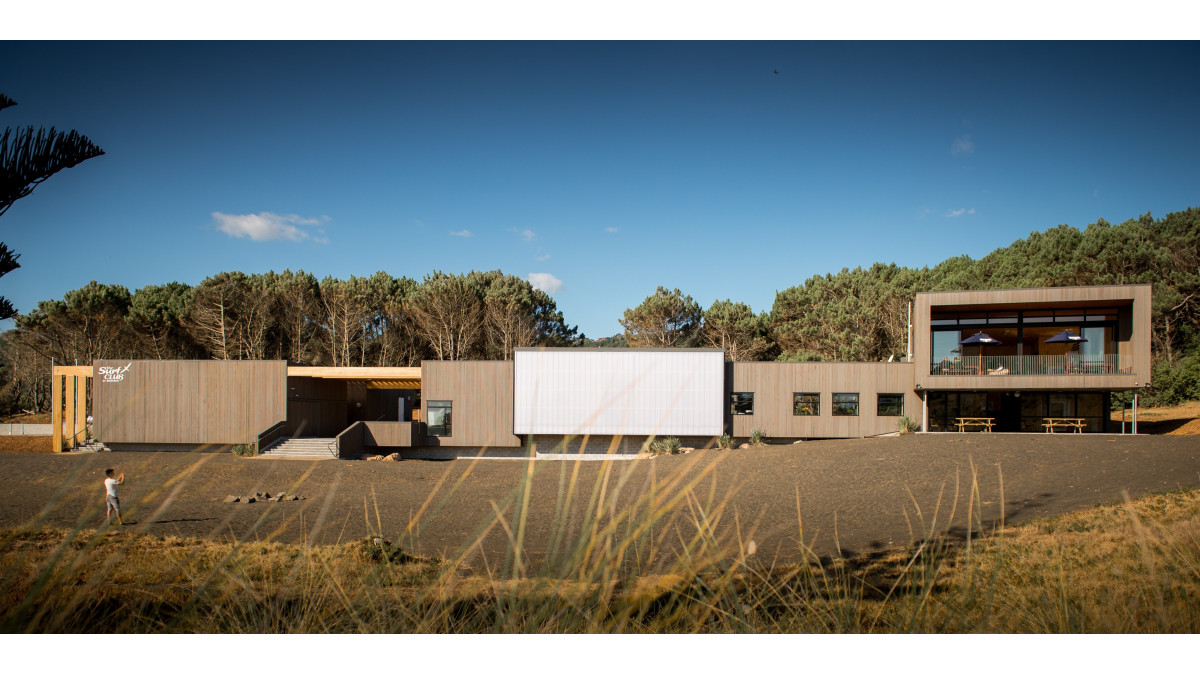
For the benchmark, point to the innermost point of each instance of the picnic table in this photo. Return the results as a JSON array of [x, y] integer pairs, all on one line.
[[1052, 423], [983, 422]]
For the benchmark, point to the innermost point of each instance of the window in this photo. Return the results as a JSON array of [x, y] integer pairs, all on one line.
[[806, 404], [944, 346], [890, 405], [439, 418], [741, 403], [845, 405]]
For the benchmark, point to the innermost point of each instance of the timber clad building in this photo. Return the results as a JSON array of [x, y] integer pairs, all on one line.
[[1027, 360]]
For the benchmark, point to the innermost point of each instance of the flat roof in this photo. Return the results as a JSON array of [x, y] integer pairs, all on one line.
[[357, 373]]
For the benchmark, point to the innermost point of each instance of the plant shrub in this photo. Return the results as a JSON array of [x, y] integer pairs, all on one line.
[[243, 450], [908, 425], [668, 445], [725, 442], [757, 437]]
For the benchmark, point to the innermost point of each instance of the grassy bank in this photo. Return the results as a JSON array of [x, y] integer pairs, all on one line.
[[1132, 567]]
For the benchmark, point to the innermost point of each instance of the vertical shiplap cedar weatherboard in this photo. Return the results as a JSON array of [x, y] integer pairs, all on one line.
[[482, 397], [1134, 339], [167, 402], [773, 385]]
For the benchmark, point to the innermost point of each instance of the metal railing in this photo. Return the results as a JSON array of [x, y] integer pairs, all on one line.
[[1068, 364]]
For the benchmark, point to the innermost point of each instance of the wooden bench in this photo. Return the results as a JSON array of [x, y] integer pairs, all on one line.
[[1052, 423], [983, 422]]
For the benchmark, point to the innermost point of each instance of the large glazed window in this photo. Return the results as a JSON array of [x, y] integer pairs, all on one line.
[[806, 404], [890, 405], [741, 403], [845, 405], [944, 346], [439, 418]]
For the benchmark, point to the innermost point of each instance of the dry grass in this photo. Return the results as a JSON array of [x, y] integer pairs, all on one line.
[[1177, 420], [1131, 567], [25, 444]]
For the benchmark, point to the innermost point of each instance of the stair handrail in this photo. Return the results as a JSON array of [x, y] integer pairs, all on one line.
[[270, 435]]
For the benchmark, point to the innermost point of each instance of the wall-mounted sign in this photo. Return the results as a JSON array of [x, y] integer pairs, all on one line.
[[114, 373]]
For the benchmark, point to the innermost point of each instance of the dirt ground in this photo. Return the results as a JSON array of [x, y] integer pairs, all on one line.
[[848, 496], [26, 418]]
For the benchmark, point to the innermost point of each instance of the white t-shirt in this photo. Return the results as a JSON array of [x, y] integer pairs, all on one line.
[[110, 484]]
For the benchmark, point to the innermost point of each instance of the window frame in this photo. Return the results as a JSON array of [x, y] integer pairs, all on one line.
[[879, 405], [448, 427], [733, 402], [796, 404], [857, 404]]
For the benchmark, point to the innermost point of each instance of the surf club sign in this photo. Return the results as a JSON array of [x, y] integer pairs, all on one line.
[[114, 373]]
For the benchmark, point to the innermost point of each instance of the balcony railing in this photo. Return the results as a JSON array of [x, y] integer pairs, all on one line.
[[1069, 364]]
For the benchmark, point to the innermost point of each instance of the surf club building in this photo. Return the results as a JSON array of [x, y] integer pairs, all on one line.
[[1026, 360]]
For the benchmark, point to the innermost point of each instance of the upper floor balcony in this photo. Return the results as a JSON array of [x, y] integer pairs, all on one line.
[[1109, 345]]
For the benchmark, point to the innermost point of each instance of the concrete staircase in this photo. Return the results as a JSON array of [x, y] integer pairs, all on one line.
[[302, 448]]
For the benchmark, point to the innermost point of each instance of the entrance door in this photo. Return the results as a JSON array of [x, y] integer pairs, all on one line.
[[1008, 417]]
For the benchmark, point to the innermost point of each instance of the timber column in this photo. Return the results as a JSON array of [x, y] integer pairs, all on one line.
[[68, 405]]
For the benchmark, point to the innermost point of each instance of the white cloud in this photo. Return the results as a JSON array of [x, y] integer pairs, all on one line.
[[610, 229], [527, 235], [544, 281], [958, 212], [266, 226], [543, 257], [460, 233], [962, 145]]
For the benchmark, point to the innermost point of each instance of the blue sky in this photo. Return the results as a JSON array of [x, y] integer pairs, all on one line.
[[604, 169]]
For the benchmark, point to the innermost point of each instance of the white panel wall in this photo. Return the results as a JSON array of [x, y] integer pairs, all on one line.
[[619, 392]]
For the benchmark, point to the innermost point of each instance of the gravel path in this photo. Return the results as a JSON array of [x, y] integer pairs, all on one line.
[[854, 496]]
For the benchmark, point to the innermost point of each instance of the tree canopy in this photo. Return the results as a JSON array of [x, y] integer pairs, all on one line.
[[854, 315]]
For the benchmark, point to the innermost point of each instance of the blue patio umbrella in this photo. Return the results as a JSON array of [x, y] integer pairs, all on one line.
[[1067, 336], [980, 339]]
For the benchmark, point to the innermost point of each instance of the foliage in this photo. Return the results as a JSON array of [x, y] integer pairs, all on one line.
[[1174, 384], [665, 445], [156, 315], [28, 159], [665, 319], [907, 425], [243, 449], [798, 357], [735, 328], [381, 551], [378, 320], [615, 342], [725, 442], [757, 438]]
